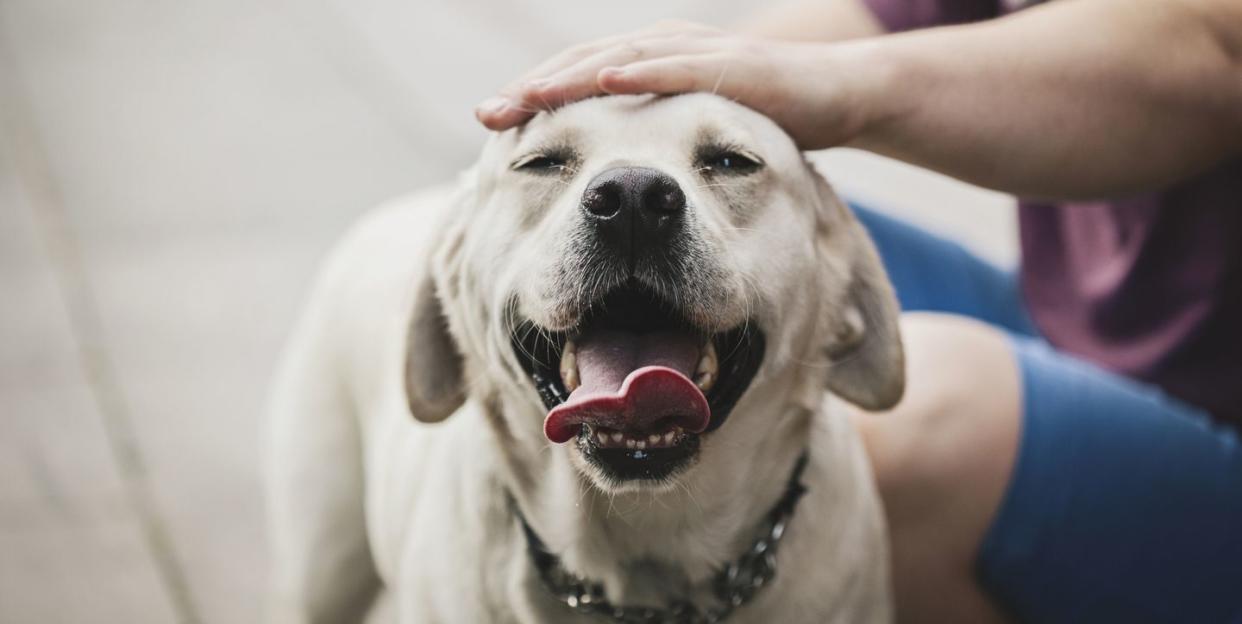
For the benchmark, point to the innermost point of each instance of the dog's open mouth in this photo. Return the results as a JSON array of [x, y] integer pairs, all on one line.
[[636, 383]]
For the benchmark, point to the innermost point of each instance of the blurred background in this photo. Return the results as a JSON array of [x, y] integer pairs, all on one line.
[[170, 174]]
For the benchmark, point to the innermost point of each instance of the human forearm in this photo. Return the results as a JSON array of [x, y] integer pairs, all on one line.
[[1077, 98], [572, 74], [1072, 99], [812, 20]]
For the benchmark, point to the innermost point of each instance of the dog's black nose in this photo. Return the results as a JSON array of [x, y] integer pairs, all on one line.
[[635, 211]]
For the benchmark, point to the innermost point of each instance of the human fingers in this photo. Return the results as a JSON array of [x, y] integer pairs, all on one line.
[[673, 74], [504, 111], [575, 53], [580, 81]]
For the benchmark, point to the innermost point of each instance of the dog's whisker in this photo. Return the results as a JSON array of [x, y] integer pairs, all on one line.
[[612, 501], [685, 487], [711, 185], [546, 107], [720, 79], [520, 342]]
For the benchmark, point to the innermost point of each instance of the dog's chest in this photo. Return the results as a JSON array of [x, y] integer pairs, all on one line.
[[464, 572], [460, 554]]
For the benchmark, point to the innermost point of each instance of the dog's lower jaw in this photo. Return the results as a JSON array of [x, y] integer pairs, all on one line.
[[655, 480]]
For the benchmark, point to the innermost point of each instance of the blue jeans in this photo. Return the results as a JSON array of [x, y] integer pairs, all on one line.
[[1125, 504]]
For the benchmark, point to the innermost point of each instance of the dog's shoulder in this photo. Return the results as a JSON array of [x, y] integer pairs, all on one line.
[[360, 299], [378, 256], [392, 233]]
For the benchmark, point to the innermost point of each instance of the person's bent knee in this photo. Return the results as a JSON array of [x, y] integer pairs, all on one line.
[[952, 361], [963, 395], [943, 457]]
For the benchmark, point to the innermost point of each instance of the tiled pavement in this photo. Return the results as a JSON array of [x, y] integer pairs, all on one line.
[[169, 174]]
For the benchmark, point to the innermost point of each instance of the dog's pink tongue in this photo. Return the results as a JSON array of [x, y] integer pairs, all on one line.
[[631, 381]]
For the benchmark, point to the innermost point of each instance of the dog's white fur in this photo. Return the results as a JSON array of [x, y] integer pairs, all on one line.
[[409, 315]]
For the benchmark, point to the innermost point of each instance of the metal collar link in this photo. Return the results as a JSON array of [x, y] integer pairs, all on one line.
[[733, 586]]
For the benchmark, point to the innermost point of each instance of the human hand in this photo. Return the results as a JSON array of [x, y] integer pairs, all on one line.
[[805, 88]]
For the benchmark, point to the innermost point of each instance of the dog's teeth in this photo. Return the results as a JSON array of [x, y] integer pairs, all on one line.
[[705, 373], [617, 437], [668, 437], [602, 437], [569, 366], [705, 381], [709, 354], [630, 443], [642, 444], [653, 439]]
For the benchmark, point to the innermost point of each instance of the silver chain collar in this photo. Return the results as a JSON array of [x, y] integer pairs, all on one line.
[[733, 586]]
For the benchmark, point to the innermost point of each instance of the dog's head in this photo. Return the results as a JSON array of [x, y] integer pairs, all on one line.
[[623, 275]]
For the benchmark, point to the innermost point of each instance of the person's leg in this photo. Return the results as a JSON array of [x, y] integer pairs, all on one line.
[[1125, 505], [942, 460], [932, 273], [1019, 481]]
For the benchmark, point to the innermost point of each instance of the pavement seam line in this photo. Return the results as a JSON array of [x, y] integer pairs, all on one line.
[[36, 182]]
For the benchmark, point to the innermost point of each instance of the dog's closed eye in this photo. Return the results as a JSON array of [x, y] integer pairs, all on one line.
[[542, 163], [727, 161]]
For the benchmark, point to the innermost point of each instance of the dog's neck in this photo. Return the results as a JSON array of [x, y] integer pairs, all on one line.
[[731, 587], [644, 546]]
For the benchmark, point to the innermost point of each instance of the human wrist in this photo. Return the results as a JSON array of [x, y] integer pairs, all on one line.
[[874, 89], [837, 94]]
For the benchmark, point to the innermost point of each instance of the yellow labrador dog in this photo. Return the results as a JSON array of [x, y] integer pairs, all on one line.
[[593, 383]]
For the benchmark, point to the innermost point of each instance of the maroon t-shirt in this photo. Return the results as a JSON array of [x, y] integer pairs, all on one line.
[[1147, 286]]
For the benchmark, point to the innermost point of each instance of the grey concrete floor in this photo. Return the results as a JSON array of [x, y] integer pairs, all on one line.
[[170, 172]]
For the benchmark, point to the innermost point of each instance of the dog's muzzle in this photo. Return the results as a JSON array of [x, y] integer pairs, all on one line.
[[634, 379]]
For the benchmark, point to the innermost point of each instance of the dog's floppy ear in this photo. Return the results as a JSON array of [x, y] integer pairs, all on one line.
[[434, 384], [867, 364]]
